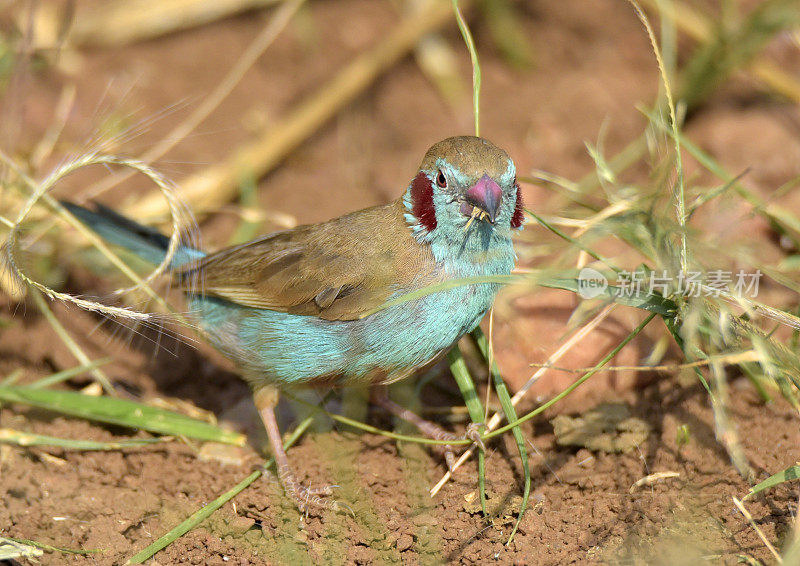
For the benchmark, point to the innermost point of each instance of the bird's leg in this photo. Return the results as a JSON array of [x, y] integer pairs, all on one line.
[[266, 399], [380, 397]]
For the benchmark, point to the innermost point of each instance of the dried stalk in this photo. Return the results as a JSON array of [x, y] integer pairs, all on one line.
[[217, 184], [256, 49], [119, 22], [698, 27]]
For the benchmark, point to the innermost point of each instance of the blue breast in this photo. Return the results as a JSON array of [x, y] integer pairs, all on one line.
[[287, 349]]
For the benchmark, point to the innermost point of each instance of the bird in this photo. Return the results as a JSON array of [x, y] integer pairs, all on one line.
[[302, 307]]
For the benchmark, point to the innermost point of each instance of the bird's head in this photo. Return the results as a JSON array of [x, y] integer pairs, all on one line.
[[466, 190]]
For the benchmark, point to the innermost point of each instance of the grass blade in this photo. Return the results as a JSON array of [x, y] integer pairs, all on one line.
[[66, 374], [207, 510], [789, 474], [575, 384], [651, 302], [20, 438], [568, 238], [511, 416], [467, 387], [476, 67], [372, 429], [193, 520], [120, 412]]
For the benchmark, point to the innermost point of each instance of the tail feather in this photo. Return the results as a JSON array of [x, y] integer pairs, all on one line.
[[147, 243]]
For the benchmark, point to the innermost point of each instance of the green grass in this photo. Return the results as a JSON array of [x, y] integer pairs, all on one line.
[[121, 412]]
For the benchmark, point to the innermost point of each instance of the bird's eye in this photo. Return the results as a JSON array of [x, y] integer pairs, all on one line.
[[441, 181]]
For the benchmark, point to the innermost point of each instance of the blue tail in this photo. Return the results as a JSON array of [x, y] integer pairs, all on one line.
[[147, 243]]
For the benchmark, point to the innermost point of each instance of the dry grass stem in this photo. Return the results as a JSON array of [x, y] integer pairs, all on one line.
[[727, 359], [40, 192], [119, 22], [698, 27], [259, 45], [653, 478], [216, 185], [740, 506]]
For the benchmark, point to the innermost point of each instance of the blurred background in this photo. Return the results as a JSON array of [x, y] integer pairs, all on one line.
[[267, 114]]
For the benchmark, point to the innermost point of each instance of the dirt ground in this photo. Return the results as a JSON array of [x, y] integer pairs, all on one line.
[[592, 69]]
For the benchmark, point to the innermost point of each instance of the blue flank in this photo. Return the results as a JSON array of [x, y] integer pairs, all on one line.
[[293, 350], [289, 349]]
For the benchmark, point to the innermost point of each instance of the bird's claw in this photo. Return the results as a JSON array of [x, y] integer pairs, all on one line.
[[472, 433], [310, 500]]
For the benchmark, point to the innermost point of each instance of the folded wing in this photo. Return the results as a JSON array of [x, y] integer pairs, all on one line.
[[337, 270]]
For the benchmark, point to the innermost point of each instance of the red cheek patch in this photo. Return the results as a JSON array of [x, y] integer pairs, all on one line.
[[519, 214], [422, 201]]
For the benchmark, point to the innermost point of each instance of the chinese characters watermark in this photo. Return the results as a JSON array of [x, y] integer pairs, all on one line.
[[592, 283]]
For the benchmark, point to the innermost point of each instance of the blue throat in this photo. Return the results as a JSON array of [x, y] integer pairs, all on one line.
[[482, 249]]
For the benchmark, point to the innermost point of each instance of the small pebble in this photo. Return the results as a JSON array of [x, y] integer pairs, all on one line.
[[404, 542]]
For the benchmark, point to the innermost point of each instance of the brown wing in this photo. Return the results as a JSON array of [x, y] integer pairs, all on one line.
[[336, 270]]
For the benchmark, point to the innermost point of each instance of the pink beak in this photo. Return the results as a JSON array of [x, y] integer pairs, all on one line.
[[486, 195]]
